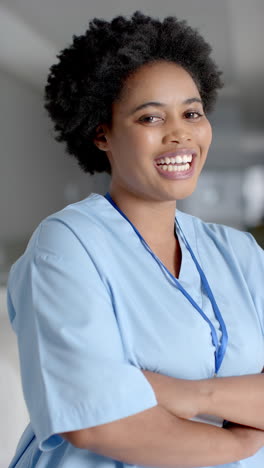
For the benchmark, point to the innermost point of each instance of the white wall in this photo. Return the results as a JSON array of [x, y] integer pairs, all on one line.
[[36, 176], [14, 415]]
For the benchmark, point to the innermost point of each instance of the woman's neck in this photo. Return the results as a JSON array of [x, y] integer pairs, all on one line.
[[155, 220]]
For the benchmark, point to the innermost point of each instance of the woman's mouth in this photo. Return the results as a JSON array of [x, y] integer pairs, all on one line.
[[178, 167]]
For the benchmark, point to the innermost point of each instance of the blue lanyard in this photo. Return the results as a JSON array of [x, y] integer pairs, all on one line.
[[220, 348]]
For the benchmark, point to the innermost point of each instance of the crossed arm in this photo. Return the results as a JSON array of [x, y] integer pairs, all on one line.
[[163, 436], [236, 399]]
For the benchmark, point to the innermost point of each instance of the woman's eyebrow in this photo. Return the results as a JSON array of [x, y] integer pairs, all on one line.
[[161, 104]]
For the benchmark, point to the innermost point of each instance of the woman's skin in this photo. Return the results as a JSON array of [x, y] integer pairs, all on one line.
[[162, 435], [236, 399]]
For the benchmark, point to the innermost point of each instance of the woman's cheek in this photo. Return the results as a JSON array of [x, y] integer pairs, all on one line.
[[151, 137], [207, 132], [141, 138]]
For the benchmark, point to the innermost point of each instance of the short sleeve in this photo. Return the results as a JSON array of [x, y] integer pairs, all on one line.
[[73, 367]]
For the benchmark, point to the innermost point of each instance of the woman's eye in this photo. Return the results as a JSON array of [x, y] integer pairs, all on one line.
[[150, 119], [190, 115], [193, 115]]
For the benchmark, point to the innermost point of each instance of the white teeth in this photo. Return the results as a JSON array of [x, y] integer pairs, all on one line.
[[177, 159], [175, 168]]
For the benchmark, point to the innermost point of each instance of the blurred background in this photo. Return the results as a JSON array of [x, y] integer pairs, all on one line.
[[38, 178]]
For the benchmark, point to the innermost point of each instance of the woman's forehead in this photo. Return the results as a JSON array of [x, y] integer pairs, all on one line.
[[158, 82]]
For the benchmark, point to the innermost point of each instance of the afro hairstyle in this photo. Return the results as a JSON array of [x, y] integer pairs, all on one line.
[[91, 73]]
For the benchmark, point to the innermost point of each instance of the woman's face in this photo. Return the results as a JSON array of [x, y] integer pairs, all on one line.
[[159, 111]]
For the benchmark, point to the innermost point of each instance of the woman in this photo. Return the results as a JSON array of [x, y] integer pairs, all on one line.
[[140, 328]]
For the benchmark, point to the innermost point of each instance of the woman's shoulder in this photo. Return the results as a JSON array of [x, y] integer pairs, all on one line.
[[68, 231], [228, 239], [75, 213], [213, 229]]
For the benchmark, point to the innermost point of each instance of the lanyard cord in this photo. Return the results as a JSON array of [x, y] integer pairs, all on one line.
[[220, 349]]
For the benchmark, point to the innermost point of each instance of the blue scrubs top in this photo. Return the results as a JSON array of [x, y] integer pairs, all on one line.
[[91, 307]]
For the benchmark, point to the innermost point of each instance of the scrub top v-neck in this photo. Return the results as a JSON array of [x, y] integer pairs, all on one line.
[[91, 309], [219, 344]]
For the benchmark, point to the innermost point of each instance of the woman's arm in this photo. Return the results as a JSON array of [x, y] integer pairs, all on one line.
[[238, 399], [155, 437]]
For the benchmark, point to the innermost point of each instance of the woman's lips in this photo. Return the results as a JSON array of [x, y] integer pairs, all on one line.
[[177, 175]]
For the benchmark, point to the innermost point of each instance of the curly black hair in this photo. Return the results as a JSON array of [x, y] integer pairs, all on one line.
[[91, 73]]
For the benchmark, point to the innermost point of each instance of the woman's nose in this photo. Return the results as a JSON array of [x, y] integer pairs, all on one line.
[[178, 135]]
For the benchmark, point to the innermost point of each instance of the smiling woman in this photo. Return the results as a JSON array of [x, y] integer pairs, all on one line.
[[170, 123], [125, 308]]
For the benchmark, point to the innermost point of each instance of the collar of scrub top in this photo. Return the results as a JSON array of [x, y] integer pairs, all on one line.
[[220, 348]]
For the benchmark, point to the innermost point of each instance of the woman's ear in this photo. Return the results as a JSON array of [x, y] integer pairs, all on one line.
[[100, 139]]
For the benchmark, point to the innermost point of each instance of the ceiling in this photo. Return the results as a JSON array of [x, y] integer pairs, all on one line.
[[34, 31], [40, 29]]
